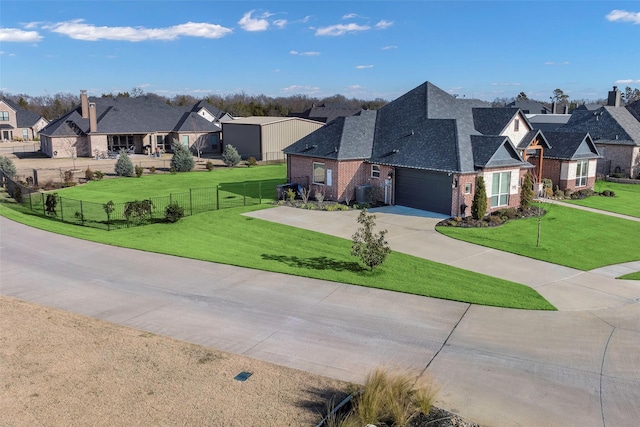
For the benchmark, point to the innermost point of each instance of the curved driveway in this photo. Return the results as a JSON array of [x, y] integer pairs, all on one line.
[[499, 367]]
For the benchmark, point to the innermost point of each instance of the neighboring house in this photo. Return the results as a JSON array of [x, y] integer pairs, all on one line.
[[570, 161], [529, 107], [18, 123], [615, 131], [547, 122], [143, 124], [327, 112], [264, 137], [423, 150]]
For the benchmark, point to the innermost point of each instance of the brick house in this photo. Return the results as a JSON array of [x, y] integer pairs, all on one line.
[[141, 124]]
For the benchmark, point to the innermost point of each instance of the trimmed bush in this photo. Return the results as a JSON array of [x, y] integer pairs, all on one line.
[[209, 165], [526, 192], [372, 249], [479, 203], [182, 160], [251, 161], [98, 175], [88, 174], [139, 170], [124, 167]]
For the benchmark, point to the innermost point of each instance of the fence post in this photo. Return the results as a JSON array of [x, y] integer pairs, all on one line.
[[44, 205], [81, 214], [218, 197], [61, 211], [244, 193], [260, 192], [30, 202], [190, 202]]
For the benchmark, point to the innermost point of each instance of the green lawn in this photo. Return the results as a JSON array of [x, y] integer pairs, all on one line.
[[126, 189], [626, 201], [226, 236], [569, 237], [631, 276]]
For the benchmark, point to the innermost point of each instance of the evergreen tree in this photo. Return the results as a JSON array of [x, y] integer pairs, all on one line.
[[479, 204], [230, 156], [526, 192], [7, 166], [182, 160], [371, 248], [124, 167]]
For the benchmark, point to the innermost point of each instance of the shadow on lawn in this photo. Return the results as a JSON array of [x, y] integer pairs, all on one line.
[[316, 263]]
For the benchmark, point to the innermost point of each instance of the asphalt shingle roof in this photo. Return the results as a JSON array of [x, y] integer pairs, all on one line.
[[492, 121], [130, 116], [570, 146], [345, 138], [606, 125], [529, 107], [24, 118]]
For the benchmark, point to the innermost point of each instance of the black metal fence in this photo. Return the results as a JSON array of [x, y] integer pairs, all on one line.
[[111, 216]]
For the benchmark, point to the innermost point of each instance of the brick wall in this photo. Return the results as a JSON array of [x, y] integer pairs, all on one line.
[[619, 159]]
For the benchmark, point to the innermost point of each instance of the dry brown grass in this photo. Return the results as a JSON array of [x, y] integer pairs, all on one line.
[[61, 369]]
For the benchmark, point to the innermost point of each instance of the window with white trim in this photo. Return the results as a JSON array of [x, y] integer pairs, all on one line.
[[516, 125], [581, 173], [375, 171], [4, 116], [467, 188], [318, 173], [500, 189]]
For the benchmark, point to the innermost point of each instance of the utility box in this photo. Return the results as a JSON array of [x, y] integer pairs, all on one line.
[[362, 193]]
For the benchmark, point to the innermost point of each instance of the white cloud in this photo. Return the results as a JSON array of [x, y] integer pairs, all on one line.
[[362, 67], [341, 29], [627, 82], [17, 35], [557, 63], [248, 23], [354, 87], [504, 84], [280, 23], [295, 52], [309, 90], [623, 16], [383, 25], [389, 47], [79, 30], [350, 16], [31, 25]]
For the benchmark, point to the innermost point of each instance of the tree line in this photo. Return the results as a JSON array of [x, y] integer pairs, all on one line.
[[241, 104]]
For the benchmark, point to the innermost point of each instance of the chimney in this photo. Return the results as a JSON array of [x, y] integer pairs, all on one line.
[[554, 107], [84, 103], [614, 97], [565, 109], [93, 117]]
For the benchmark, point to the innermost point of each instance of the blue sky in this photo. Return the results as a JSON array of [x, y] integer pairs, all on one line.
[[362, 49]]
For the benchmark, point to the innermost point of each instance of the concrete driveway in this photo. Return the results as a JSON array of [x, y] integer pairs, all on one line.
[[498, 367]]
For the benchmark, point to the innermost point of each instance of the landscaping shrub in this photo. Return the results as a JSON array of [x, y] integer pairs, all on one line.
[[139, 170], [582, 194], [50, 204], [182, 160], [479, 203], [372, 249], [608, 193], [88, 174], [7, 166], [98, 175], [495, 220], [251, 161], [389, 399], [526, 192], [173, 212], [559, 194], [209, 165], [152, 169], [124, 167], [230, 156], [138, 211], [509, 213]]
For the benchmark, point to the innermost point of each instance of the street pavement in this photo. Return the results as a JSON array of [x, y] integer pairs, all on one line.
[[498, 367]]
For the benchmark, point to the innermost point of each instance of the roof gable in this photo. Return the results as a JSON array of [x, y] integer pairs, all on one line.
[[492, 121], [607, 125], [495, 151], [571, 146]]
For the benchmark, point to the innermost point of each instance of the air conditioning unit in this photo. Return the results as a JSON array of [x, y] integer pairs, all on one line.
[[362, 193]]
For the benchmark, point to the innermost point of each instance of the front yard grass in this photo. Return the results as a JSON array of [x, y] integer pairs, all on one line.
[[626, 200], [631, 276], [228, 237], [569, 237]]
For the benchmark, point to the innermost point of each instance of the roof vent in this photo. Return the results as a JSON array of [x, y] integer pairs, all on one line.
[[396, 151]]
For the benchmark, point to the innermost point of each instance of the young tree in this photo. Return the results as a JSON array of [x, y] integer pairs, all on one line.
[[7, 166], [479, 203], [230, 156], [182, 160], [526, 192], [124, 166], [559, 96], [372, 249]]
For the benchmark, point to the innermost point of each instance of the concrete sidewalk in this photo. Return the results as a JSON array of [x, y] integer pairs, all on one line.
[[412, 231]]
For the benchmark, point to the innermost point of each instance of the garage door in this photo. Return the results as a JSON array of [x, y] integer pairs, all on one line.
[[429, 191]]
